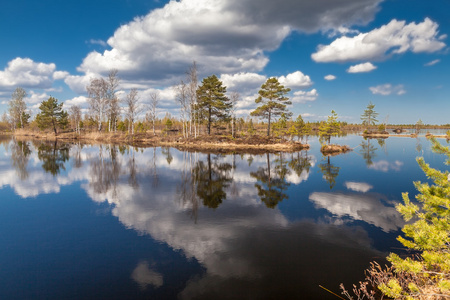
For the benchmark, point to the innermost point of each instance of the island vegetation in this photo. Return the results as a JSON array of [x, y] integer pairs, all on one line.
[[207, 119], [423, 272]]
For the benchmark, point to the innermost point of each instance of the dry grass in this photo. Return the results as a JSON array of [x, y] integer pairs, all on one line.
[[334, 149], [212, 143]]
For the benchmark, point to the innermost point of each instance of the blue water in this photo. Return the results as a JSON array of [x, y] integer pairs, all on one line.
[[117, 222]]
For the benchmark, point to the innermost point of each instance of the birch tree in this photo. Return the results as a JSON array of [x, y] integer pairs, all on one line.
[[98, 99], [234, 98], [75, 118], [133, 108], [17, 107], [182, 96], [192, 85], [112, 83], [151, 114]]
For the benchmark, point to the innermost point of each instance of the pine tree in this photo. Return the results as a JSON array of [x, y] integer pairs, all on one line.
[[330, 128], [369, 117], [52, 115], [213, 105], [272, 95], [426, 274]]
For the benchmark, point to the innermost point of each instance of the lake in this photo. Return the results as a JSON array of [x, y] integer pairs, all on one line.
[[116, 222]]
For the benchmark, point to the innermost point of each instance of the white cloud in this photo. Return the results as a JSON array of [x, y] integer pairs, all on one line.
[[80, 101], [305, 96], [26, 73], [242, 82], [296, 80], [98, 42], [358, 186], [432, 63], [397, 37], [78, 83], [330, 77], [58, 75], [34, 98], [226, 36], [388, 89], [361, 68]]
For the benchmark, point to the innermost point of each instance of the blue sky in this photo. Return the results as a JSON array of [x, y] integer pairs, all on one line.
[[332, 54]]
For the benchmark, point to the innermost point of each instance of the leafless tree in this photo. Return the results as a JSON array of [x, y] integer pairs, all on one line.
[[75, 117], [151, 114], [113, 108], [133, 108], [192, 85], [98, 99], [234, 98], [182, 96], [103, 101], [17, 106]]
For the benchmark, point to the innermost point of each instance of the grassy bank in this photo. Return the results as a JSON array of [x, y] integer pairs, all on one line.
[[207, 143]]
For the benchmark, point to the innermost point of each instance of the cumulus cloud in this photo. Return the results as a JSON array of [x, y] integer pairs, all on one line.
[[80, 101], [387, 89], [228, 36], [397, 37], [432, 63], [36, 98], [305, 96], [26, 73], [296, 80], [243, 82], [58, 75], [361, 68], [330, 77]]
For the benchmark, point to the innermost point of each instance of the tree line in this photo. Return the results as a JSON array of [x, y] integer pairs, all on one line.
[[205, 108]]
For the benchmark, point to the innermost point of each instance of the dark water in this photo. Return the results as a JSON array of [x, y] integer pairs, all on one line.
[[111, 222]]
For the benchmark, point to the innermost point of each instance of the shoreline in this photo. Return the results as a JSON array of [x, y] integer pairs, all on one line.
[[212, 144]]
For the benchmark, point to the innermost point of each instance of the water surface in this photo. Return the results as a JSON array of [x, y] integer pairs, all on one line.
[[117, 222]]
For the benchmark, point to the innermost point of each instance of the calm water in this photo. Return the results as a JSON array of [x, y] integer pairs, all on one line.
[[111, 222]]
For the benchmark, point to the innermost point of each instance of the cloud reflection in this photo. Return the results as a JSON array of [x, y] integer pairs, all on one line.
[[359, 207]]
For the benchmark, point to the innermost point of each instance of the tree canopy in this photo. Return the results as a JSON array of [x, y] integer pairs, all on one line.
[[369, 117], [213, 104], [272, 97], [330, 128], [52, 115]]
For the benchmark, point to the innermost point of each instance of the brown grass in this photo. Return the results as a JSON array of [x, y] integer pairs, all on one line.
[[334, 149], [213, 143]]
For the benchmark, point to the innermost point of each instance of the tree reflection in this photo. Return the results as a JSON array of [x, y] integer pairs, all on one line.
[[212, 179], [53, 156], [300, 163], [105, 171], [272, 185], [20, 152], [76, 156], [166, 151], [329, 171], [368, 151], [187, 187], [132, 179]]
